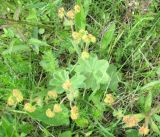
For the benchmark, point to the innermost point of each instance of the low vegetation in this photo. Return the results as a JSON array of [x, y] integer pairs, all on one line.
[[84, 68]]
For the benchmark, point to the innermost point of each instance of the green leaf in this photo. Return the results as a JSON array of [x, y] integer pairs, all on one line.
[[153, 84], [36, 44], [49, 62], [132, 133], [9, 33], [61, 118], [154, 127], [108, 37], [80, 18], [32, 17], [104, 130], [59, 78], [141, 102], [115, 77], [157, 118], [86, 5], [25, 128], [99, 105], [139, 116], [82, 122], [16, 49], [148, 102], [65, 134], [95, 72], [78, 81], [98, 112], [8, 128]]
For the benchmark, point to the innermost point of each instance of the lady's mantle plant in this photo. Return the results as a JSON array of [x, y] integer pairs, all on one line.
[[70, 85], [79, 91]]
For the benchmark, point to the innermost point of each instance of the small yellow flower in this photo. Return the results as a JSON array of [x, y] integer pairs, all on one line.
[[28, 107], [74, 113], [50, 113], [11, 101], [52, 94], [143, 130], [85, 55], [76, 36], [130, 121], [86, 38], [74, 116], [70, 14], [109, 99], [82, 31], [18, 95], [92, 38], [67, 85], [61, 12], [57, 108], [77, 8]]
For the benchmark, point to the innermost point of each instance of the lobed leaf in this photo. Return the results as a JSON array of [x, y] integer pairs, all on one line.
[[61, 118]]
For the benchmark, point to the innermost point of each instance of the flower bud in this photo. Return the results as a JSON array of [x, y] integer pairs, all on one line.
[[86, 38], [61, 12], [85, 55], [57, 108], [82, 32], [109, 99], [67, 85], [130, 121], [70, 14], [92, 38], [28, 107], [143, 130], [76, 35], [50, 113], [77, 8], [18, 95], [11, 101], [74, 113], [52, 94]]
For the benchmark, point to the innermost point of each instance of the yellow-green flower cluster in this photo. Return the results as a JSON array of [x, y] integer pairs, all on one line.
[[61, 12], [29, 107], [52, 94], [144, 130], [67, 85], [50, 113], [84, 36], [69, 14], [15, 98], [130, 121], [109, 99], [74, 113], [84, 55]]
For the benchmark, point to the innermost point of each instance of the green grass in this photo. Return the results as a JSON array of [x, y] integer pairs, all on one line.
[[37, 53]]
